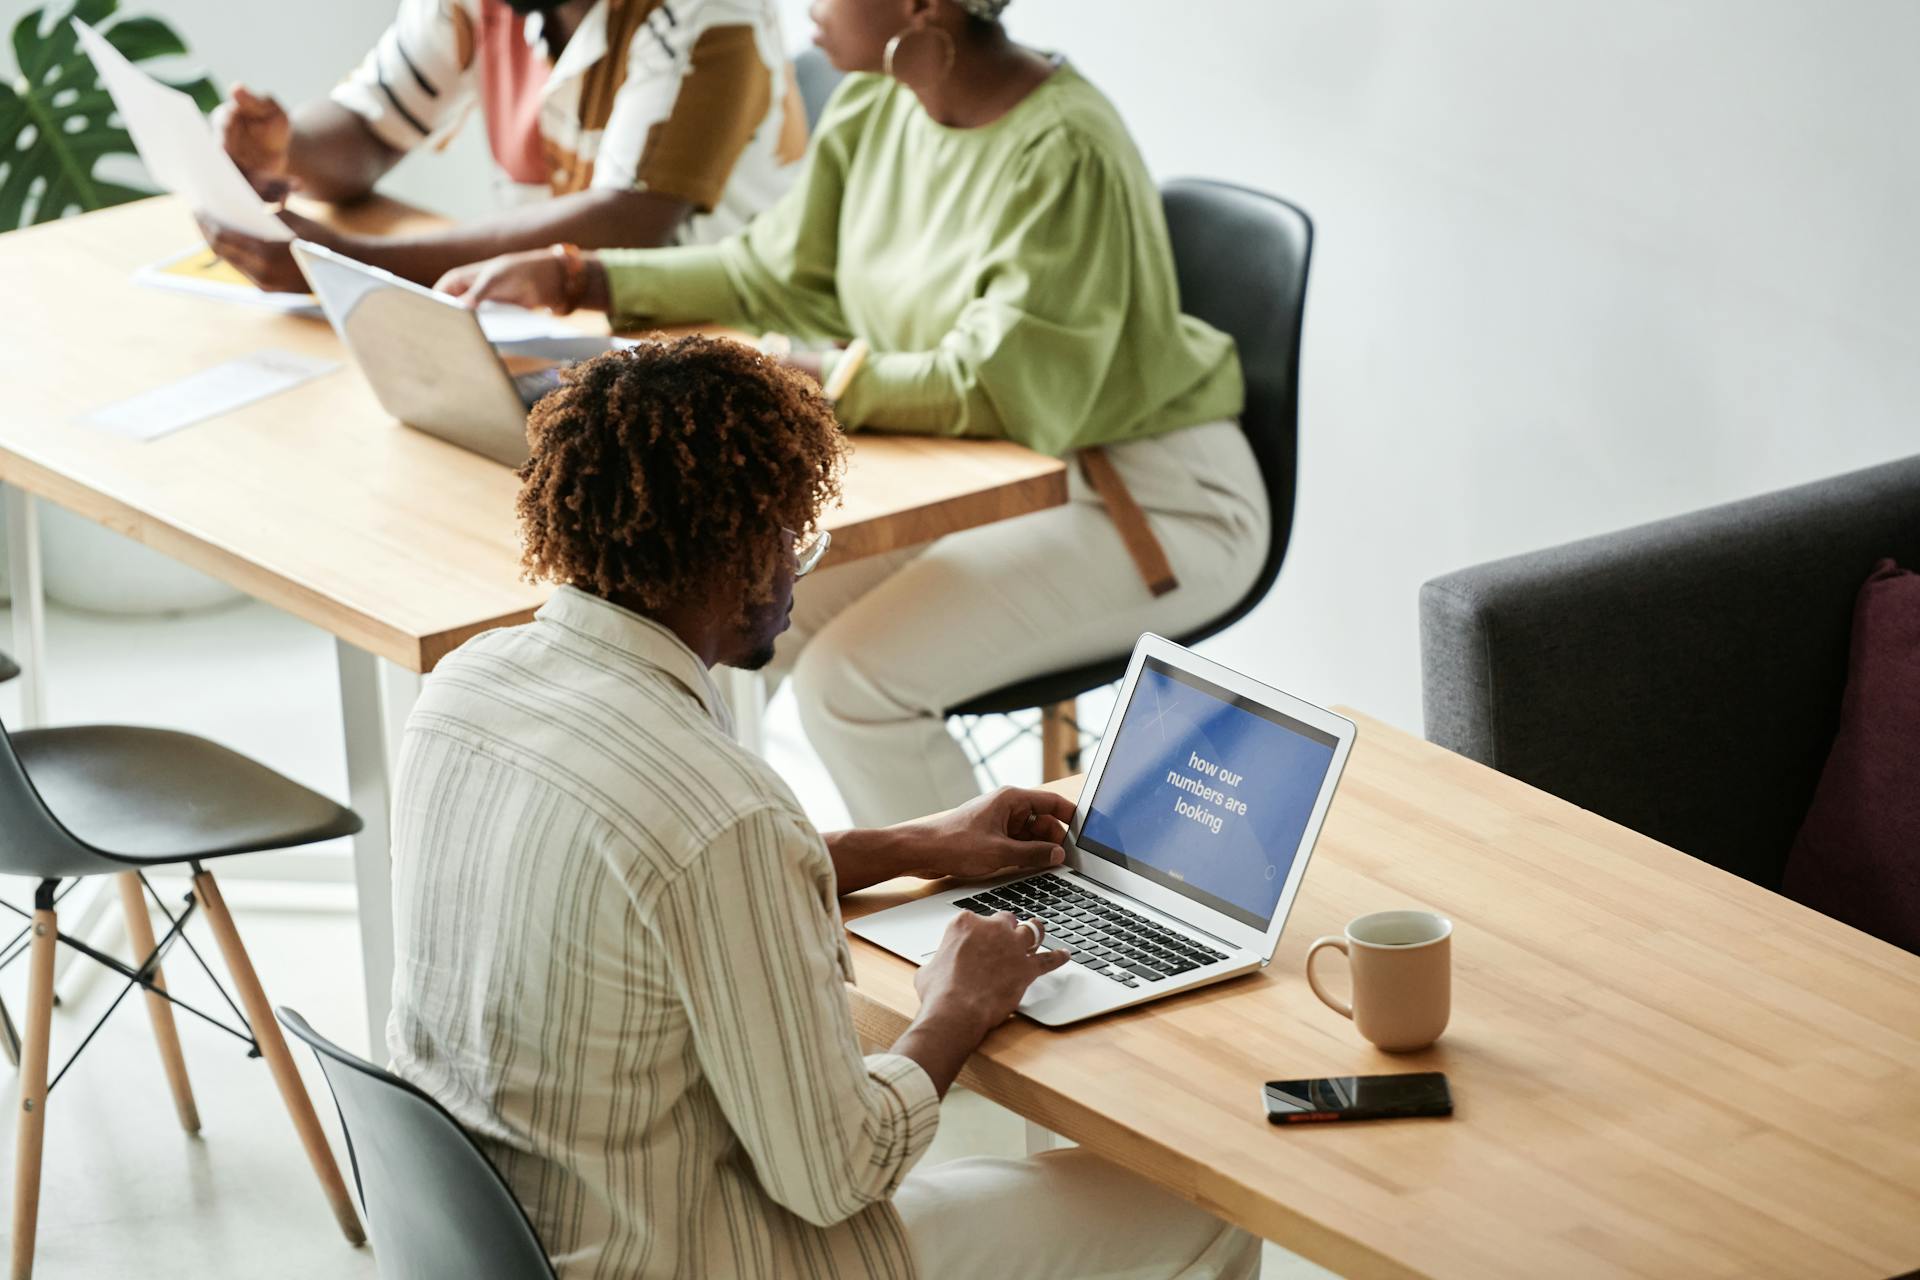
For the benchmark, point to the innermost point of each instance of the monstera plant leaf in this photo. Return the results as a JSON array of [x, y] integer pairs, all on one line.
[[56, 120]]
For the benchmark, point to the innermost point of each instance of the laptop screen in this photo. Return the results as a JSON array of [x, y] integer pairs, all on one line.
[[1207, 793]]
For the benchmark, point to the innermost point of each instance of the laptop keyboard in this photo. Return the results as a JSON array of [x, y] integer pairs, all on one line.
[[1102, 935]]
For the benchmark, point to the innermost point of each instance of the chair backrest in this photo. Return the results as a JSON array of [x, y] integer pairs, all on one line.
[[33, 842], [817, 79], [1683, 678], [1242, 259], [436, 1207]]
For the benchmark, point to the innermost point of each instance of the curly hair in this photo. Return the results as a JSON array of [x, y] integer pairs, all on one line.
[[661, 469]]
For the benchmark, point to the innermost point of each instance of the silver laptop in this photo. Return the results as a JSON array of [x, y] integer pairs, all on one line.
[[429, 360], [1186, 849]]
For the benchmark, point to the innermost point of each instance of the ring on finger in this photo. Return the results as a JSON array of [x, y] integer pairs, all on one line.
[[1033, 927]]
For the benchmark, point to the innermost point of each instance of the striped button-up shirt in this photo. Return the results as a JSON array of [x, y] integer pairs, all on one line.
[[689, 98], [620, 965]]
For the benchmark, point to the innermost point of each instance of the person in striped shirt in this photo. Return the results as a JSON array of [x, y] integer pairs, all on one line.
[[647, 122], [619, 955]]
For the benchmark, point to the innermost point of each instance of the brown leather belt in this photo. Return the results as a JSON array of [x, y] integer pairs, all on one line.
[[1149, 557]]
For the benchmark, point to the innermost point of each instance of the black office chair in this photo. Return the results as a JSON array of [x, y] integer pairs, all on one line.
[[9, 1034], [1242, 258], [92, 800], [817, 79], [436, 1206]]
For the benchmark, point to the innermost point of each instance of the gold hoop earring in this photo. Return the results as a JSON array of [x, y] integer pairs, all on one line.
[[893, 49]]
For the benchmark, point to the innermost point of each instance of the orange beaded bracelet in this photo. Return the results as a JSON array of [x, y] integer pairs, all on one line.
[[573, 277]]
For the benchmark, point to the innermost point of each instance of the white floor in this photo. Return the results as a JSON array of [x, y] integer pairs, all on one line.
[[125, 1192]]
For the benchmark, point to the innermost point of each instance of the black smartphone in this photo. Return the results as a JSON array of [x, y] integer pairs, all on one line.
[[1418, 1093]]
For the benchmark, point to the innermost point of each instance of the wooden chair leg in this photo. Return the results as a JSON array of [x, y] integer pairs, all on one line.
[[1059, 740], [133, 901], [273, 1047], [33, 1090]]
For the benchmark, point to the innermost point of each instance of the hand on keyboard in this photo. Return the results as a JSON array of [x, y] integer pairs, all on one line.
[[984, 967], [1011, 829]]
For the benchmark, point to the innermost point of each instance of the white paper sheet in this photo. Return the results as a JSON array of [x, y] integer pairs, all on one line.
[[503, 323], [177, 144], [208, 394]]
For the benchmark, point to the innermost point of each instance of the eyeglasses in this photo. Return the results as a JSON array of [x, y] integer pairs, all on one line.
[[807, 551]]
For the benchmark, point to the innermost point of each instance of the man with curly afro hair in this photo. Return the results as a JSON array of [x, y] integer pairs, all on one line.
[[673, 479], [619, 959]]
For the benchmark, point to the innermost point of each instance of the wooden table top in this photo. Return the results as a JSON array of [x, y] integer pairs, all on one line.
[[1658, 1068], [315, 500]]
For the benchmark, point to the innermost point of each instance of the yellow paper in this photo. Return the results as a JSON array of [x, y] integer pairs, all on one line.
[[207, 268]]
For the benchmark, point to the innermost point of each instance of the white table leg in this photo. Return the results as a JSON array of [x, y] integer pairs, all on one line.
[[399, 690], [29, 606], [89, 901], [363, 712], [746, 693]]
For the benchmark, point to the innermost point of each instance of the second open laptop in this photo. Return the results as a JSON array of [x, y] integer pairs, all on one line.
[[1186, 849], [428, 357]]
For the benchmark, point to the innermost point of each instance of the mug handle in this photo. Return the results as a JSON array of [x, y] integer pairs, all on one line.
[[1340, 1007]]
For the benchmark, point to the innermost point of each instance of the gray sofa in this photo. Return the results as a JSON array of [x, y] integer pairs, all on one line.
[[1682, 678]]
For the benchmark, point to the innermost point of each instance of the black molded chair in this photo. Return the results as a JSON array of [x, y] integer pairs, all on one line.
[[436, 1206], [92, 800], [1242, 259], [817, 79], [9, 1034]]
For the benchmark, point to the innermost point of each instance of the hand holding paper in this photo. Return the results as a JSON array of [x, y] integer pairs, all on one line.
[[257, 133], [268, 262], [177, 145]]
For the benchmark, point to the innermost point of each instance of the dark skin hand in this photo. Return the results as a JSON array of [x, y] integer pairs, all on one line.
[[1011, 829], [329, 153], [590, 219], [973, 983]]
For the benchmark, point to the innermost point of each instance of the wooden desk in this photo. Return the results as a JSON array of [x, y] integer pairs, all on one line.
[[1659, 1069], [317, 502]]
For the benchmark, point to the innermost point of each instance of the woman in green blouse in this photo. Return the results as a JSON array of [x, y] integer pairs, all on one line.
[[977, 214]]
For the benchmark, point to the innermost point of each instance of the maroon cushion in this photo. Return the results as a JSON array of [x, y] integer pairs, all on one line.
[[1857, 857]]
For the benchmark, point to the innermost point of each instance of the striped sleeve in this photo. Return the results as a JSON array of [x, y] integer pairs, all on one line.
[[698, 88], [419, 79], [751, 933]]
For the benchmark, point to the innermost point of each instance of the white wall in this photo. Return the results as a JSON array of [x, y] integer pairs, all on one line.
[[1579, 264]]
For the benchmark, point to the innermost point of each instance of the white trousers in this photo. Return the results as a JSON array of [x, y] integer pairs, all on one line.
[[1062, 1215], [879, 649]]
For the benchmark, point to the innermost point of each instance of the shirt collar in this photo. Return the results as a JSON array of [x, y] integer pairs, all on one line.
[[640, 638], [585, 48]]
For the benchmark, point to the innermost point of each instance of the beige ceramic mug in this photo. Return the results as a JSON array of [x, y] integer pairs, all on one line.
[[1402, 977]]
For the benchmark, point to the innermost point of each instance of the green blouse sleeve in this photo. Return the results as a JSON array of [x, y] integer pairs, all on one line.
[[1029, 355], [778, 273]]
